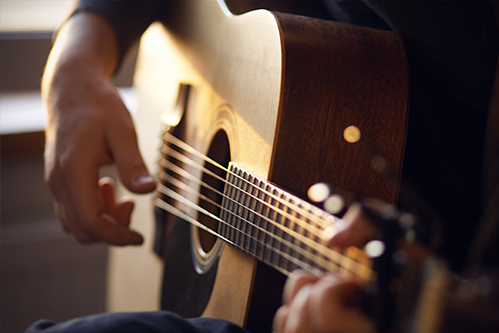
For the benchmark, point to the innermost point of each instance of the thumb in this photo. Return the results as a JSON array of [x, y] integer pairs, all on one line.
[[132, 171]]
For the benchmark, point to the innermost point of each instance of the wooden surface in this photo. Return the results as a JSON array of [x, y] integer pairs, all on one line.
[[231, 287], [195, 55], [278, 94], [337, 75]]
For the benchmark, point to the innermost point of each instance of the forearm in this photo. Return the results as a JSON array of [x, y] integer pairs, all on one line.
[[85, 45]]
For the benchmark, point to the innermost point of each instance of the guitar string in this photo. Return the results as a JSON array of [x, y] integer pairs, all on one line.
[[191, 162], [175, 182], [344, 266], [179, 143], [341, 260], [169, 208], [309, 227], [315, 216], [323, 264], [291, 217]]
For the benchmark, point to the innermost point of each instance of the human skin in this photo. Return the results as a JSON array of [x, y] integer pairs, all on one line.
[[317, 304], [89, 127]]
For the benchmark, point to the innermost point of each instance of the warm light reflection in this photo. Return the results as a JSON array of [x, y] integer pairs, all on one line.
[[374, 248], [351, 134], [319, 192], [334, 204], [336, 226]]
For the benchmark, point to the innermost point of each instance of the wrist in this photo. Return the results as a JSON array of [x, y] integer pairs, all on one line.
[[85, 46]]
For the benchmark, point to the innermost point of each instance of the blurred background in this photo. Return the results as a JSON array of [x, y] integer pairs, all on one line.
[[44, 272]]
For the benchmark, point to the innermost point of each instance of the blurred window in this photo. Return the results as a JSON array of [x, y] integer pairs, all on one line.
[[33, 15]]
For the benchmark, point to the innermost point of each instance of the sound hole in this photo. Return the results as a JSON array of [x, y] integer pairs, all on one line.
[[212, 187]]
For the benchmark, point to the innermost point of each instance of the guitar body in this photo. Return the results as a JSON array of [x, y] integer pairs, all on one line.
[[274, 92]]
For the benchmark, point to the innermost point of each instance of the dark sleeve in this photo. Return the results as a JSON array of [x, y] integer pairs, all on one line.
[[129, 18]]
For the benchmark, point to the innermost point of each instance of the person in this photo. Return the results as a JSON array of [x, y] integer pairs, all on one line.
[[452, 50]]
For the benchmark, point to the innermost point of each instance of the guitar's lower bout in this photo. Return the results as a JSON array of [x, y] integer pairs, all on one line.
[[192, 254], [185, 291]]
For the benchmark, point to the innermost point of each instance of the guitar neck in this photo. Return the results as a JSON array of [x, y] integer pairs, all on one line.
[[283, 230]]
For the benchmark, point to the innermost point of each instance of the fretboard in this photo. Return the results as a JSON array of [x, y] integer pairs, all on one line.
[[282, 230]]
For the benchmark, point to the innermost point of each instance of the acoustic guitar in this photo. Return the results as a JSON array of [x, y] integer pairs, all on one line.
[[255, 109]]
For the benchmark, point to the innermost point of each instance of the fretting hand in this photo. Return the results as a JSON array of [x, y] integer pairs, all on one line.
[[313, 304]]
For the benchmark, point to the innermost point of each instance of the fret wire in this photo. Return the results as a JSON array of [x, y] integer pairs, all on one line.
[[246, 205], [287, 236], [244, 227], [271, 229], [230, 203], [285, 242], [264, 223], [233, 204], [232, 208], [237, 200], [175, 168], [271, 216], [278, 231], [262, 215], [175, 141], [248, 227], [305, 232], [258, 209], [296, 228], [254, 203]]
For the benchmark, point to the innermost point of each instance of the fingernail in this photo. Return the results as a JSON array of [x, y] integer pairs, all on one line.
[[146, 179], [145, 183]]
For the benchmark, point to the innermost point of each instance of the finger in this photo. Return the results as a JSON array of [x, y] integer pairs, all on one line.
[[298, 318], [380, 207], [119, 211], [123, 211], [106, 229], [333, 295], [107, 191], [280, 319], [132, 171], [88, 220], [60, 215], [358, 230], [63, 207], [296, 280], [333, 287]]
